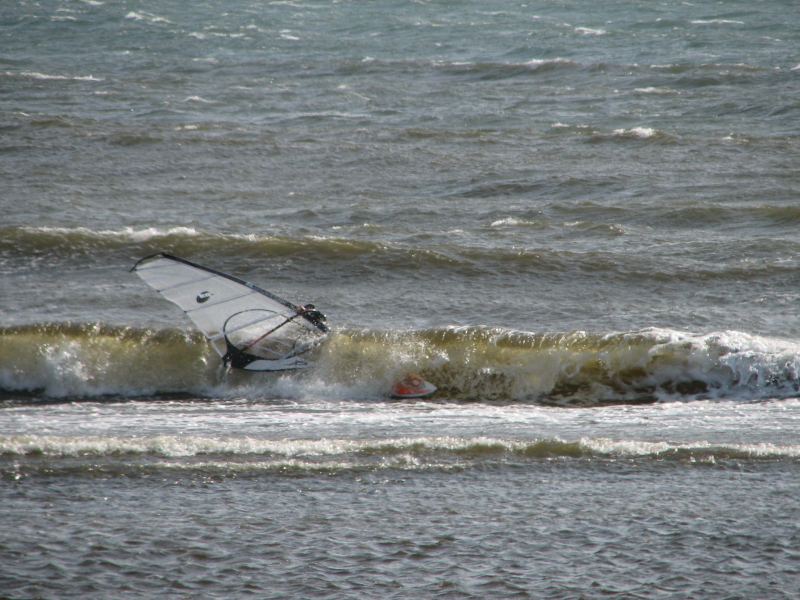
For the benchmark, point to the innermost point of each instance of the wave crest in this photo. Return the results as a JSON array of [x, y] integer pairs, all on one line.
[[52, 456], [467, 364]]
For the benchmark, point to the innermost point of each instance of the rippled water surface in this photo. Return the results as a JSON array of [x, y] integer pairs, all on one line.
[[579, 221]]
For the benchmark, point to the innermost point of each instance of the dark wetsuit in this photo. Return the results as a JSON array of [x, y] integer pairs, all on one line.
[[310, 313]]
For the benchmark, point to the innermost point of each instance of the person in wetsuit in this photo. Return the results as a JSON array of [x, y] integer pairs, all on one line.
[[310, 312]]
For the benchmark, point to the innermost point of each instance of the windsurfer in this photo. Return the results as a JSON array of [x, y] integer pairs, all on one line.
[[310, 312]]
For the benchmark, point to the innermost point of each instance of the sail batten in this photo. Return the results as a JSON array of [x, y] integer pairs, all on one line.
[[261, 331]]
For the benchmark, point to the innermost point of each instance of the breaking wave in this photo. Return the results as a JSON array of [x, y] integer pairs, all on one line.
[[35, 75], [79, 361], [182, 446], [143, 456]]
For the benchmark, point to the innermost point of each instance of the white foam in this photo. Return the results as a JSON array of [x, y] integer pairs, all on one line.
[[590, 31], [716, 22], [733, 364], [645, 448], [37, 75], [543, 62], [149, 233], [45, 76], [513, 222], [637, 132], [143, 16], [735, 138], [287, 451], [560, 125], [137, 235], [655, 90], [59, 369], [186, 445]]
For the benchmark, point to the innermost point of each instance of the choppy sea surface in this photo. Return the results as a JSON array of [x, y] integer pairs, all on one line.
[[579, 220]]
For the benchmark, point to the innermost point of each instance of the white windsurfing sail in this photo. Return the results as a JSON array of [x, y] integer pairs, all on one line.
[[250, 328]]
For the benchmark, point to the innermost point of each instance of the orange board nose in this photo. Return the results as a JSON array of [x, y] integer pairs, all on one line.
[[412, 386]]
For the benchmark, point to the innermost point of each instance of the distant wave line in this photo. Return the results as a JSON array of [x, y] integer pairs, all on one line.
[[320, 452]]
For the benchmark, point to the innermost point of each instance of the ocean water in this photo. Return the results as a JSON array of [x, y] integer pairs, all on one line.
[[579, 220]]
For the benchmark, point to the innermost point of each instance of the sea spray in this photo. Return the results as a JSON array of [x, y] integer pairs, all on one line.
[[66, 360]]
